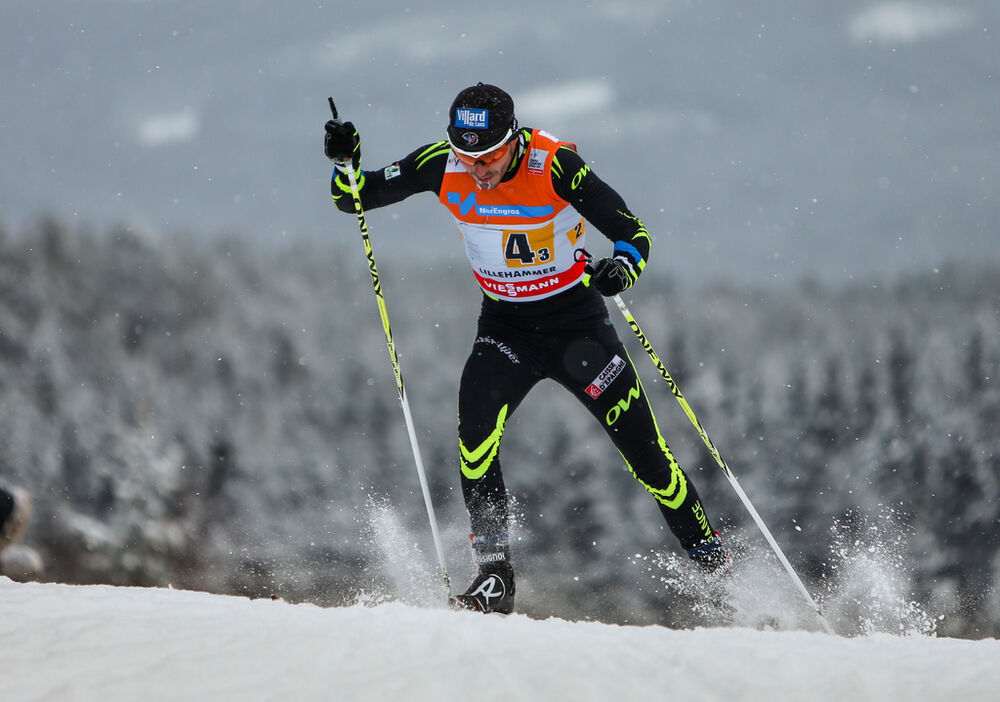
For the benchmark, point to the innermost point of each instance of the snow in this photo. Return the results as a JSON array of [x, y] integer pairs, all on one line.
[[112, 643]]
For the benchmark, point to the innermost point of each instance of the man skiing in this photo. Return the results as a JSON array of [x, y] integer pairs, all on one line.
[[15, 509], [522, 200]]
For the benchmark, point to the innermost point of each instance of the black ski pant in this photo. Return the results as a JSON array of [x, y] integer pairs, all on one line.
[[510, 355]]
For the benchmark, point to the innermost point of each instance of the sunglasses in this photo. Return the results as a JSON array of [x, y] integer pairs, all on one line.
[[487, 158]]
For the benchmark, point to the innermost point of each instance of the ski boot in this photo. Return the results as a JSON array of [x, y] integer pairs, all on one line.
[[712, 556], [491, 591], [493, 588]]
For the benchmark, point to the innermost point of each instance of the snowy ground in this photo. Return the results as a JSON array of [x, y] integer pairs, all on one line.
[[60, 642]]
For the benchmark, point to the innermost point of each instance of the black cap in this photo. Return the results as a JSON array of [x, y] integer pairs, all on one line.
[[481, 118]]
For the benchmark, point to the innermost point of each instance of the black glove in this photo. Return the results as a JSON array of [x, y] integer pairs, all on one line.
[[342, 143], [612, 275]]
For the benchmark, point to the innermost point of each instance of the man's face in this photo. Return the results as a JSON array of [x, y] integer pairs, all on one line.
[[487, 169]]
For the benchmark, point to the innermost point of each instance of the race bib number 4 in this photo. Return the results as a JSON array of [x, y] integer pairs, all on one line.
[[528, 248]]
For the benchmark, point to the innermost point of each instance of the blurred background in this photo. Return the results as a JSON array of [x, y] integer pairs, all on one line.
[[193, 384]]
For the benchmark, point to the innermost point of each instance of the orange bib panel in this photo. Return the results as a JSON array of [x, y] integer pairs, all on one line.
[[520, 237]]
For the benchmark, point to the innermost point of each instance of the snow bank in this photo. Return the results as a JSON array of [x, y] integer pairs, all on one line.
[[100, 642]]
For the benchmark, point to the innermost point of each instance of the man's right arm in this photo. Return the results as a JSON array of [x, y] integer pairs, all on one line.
[[420, 171]]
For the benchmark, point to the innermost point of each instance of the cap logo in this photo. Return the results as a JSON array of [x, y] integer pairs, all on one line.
[[472, 118], [470, 138]]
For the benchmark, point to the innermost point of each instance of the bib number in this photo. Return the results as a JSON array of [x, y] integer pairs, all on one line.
[[528, 248]]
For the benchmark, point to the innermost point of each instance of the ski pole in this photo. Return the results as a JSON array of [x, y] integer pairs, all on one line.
[[672, 385], [400, 389]]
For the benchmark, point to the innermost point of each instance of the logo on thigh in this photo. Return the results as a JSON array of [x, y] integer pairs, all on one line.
[[605, 377], [623, 405], [501, 347]]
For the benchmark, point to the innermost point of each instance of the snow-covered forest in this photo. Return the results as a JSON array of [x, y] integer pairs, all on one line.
[[222, 417]]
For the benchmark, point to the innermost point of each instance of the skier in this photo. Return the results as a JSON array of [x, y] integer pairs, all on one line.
[[15, 508], [522, 200], [17, 561]]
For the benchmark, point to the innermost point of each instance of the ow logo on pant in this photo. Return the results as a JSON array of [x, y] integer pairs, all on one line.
[[622, 406]]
